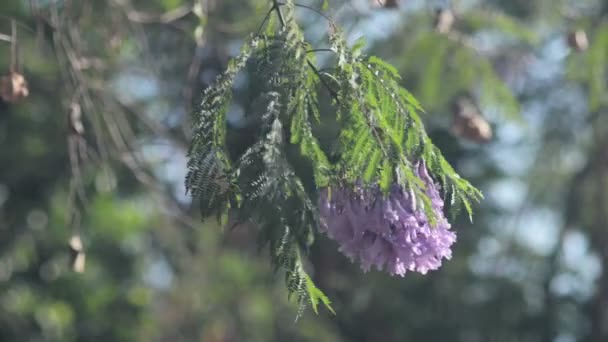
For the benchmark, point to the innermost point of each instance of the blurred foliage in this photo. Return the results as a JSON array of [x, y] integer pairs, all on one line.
[[530, 268]]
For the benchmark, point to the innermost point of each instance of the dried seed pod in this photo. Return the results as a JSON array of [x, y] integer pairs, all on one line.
[[332, 29], [77, 255], [13, 87], [385, 3], [578, 41], [75, 119], [444, 19], [468, 123]]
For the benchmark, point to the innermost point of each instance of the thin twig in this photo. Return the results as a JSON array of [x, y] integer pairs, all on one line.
[[165, 18], [320, 50], [19, 23], [153, 126], [73, 146], [13, 45], [308, 8], [277, 8], [191, 81]]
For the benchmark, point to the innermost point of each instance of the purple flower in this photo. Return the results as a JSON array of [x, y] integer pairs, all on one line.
[[388, 231]]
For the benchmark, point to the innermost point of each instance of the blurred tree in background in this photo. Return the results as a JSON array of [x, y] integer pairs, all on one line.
[[98, 150]]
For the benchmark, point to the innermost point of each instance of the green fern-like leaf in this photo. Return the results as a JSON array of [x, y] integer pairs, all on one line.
[[381, 139], [382, 129]]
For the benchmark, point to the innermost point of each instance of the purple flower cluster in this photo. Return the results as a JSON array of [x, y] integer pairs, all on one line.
[[387, 230]]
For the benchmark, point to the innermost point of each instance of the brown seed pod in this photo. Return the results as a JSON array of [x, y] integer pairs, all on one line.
[[75, 119], [385, 3], [13, 87], [444, 19], [577, 40], [77, 255], [468, 123]]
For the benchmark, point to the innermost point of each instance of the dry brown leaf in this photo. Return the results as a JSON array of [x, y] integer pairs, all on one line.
[[13, 87], [444, 19], [468, 123], [578, 40]]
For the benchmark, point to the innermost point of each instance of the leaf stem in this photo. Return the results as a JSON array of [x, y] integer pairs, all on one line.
[[277, 9], [308, 8], [332, 92], [264, 21]]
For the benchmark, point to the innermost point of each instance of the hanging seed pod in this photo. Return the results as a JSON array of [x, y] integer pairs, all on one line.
[[444, 19], [75, 120], [385, 3], [468, 123], [578, 41], [77, 255], [13, 87]]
